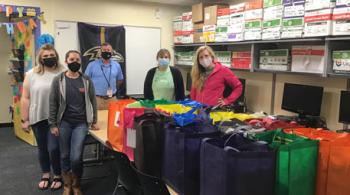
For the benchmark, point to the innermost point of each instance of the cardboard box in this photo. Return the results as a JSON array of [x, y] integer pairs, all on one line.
[[342, 13], [198, 13], [187, 26], [238, 8], [292, 27], [276, 23], [187, 38], [272, 13], [258, 4], [341, 27], [224, 57], [235, 36], [294, 11], [184, 58], [198, 33], [319, 4], [210, 14], [241, 60], [253, 25], [221, 34], [342, 3], [293, 2], [253, 14], [187, 16], [341, 61], [271, 33], [236, 23], [318, 15], [291, 34], [223, 20], [177, 23], [252, 35], [274, 57], [271, 3], [318, 23], [209, 33], [308, 58]]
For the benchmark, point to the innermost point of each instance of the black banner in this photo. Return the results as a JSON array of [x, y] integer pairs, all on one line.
[[90, 39]]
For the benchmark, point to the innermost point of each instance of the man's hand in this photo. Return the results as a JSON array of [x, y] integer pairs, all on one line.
[[95, 126], [55, 131]]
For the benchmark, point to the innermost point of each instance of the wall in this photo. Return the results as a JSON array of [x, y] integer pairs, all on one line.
[[94, 11]]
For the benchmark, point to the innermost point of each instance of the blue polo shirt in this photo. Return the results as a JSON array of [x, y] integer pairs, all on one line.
[[104, 75]]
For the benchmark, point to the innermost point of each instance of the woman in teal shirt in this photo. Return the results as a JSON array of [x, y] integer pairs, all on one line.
[[164, 81]]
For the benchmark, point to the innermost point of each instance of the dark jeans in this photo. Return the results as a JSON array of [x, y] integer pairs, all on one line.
[[72, 138], [48, 148]]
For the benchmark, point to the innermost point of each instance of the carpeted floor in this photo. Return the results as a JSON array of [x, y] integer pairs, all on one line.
[[20, 172]]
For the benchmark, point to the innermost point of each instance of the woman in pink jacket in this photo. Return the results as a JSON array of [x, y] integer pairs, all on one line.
[[209, 79]]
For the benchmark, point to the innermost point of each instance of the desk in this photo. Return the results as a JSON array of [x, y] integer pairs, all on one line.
[[101, 135]]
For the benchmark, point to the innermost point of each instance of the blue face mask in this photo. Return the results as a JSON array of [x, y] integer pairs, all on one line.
[[163, 61]]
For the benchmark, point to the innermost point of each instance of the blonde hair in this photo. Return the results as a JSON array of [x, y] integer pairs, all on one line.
[[39, 68], [197, 69]]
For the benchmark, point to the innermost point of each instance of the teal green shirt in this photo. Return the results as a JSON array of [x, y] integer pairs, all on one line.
[[163, 85]]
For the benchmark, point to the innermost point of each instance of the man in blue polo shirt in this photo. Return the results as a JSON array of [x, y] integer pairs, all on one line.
[[106, 75]]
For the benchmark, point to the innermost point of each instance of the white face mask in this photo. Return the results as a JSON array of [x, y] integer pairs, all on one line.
[[206, 62]]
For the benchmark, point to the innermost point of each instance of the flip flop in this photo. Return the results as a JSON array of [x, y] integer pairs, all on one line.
[[56, 180], [44, 179]]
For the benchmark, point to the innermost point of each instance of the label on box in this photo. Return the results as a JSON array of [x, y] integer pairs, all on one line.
[[277, 56], [318, 15], [257, 4], [237, 8], [341, 27], [253, 14], [254, 24], [268, 35], [187, 25], [187, 38], [308, 58], [235, 36], [274, 67], [272, 23], [223, 12], [209, 36], [238, 28], [292, 22], [221, 29], [341, 60], [342, 13], [209, 28], [241, 63], [293, 2], [272, 13], [223, 21], [224, 57], [252, 35], [291, 34], [207, 16], [294, 11], [318, 29], [270, 3], [343, 3], [319, 4], [221, 37]]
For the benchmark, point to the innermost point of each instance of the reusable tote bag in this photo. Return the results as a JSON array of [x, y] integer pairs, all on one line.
[[235, 165], [115, 130], [296, 162]]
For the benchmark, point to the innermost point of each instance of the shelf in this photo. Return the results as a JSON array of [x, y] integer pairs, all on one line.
[[251, 42], [288, 72], [338, 38], [339, 75], [237, 69]]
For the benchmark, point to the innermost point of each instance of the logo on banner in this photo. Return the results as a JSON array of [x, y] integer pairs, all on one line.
[[95, 53]]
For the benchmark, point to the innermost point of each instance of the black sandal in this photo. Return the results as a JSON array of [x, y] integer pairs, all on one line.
[[44, 179], [54, 181]]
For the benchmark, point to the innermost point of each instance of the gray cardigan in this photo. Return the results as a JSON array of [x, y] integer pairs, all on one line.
[[58, 100]]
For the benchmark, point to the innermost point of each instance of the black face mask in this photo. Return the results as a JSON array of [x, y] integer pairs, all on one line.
[[74, 66], [50, 62], [106, 55]]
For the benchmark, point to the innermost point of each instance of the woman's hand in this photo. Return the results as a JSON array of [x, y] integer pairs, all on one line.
[[95, 126], [55, 131], [221, 102], [25, 126]]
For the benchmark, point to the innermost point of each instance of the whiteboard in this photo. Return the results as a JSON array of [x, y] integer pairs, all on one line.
[[141, 47]]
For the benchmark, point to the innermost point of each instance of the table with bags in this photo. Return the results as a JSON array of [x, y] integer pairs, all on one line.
[[198, 150]]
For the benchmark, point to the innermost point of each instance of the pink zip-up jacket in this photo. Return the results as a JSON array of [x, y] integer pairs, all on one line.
[[214, 86]]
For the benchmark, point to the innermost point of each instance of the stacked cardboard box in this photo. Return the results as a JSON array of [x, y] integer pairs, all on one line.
[[184, 58], [223, 21], [224, 57], [209, 33], [341, 61], [187, 28], [318, 17], [177, 29], [253, 16], [293, 18], [236, 27], [341, 18], [241, 60], [277, 59], [210, 22], [308, 58], [272, 22]]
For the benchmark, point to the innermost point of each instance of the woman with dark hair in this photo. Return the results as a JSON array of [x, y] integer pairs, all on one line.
[[164, 81]]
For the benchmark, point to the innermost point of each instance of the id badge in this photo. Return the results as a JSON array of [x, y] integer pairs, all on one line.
[[109, 92]]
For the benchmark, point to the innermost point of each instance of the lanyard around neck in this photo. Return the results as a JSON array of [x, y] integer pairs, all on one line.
[[109, 77]]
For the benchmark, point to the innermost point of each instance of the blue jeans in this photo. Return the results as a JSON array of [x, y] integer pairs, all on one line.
[[72, 138], [48, 147]]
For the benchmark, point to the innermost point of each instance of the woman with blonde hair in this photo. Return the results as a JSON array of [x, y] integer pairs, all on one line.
[[209, 79], [35, 113]]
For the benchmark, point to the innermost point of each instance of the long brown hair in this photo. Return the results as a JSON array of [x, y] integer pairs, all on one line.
[[39, 68], [197, 69]]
